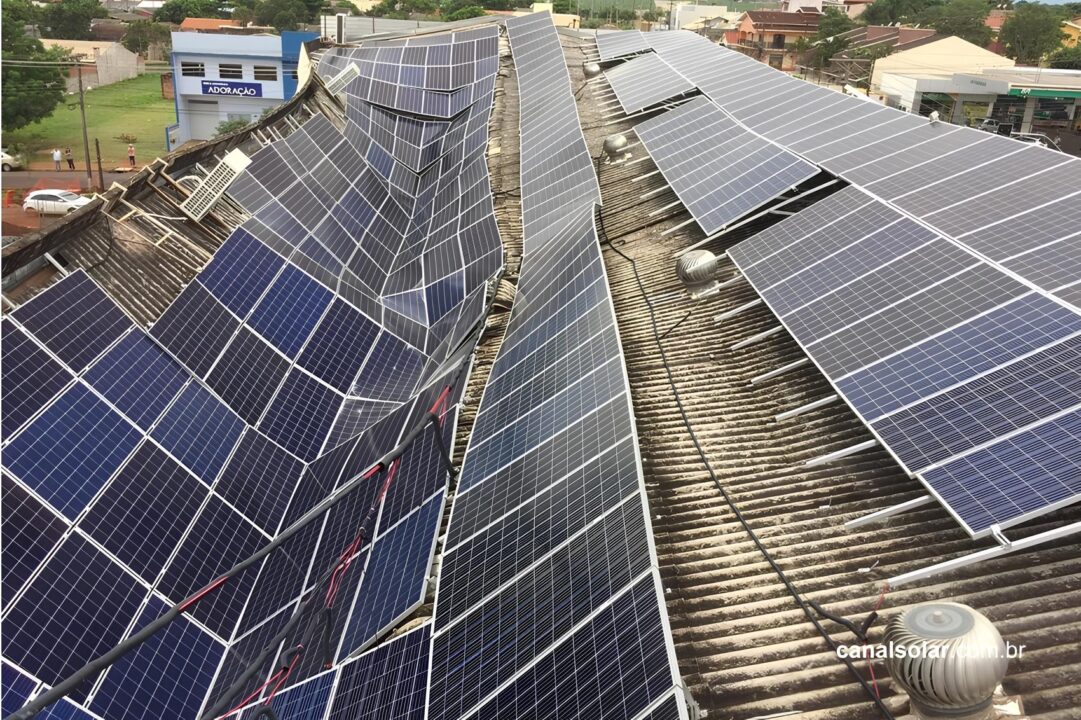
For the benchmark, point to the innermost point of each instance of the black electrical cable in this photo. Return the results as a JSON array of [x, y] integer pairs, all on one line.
[[716, 481]]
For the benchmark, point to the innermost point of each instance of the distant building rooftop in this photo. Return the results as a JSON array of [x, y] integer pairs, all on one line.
[[196, 24]]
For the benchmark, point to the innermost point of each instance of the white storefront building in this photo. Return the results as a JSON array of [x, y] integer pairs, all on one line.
[[218, 78]]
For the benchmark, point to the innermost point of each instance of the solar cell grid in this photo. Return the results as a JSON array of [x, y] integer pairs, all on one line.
[[388, 682], [611, 45], [645, 81], [31, 378], [29, 533]]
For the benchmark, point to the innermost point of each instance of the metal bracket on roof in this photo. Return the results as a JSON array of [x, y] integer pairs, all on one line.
[[843, 453], [672, 229], [821, 402], [717, 287], [1004, 547], [757, 337], [643, 177], [52, 261], [779, 371], [737, 310], [889, 512]]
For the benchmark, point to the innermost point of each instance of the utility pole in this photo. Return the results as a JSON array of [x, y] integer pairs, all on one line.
[[86, 139], [101, 175]]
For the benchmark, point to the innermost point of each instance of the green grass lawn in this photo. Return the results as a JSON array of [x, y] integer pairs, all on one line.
[[133, 107]]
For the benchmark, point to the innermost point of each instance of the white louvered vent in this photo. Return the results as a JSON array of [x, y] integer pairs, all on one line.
[[337, 83], [214, 185]]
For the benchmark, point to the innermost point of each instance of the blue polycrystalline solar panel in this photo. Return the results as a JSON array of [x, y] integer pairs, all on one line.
[[940, 351], [290, 310], [259, 480], [645, 81], [306, 701], [165, 677], [248, 374], [719, 170], [76, 320], [396, 577], [551, 469], [78, 587], [241, 271], [611, 45], [301, 414], [28, 534], [71, 450], [339, 345], [1014, 479], [30, 380], [612, 667], [388, 682]]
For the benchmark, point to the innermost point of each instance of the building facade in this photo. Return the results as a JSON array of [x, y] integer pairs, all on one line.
[[104, 63], [218, 78], [770, 36]]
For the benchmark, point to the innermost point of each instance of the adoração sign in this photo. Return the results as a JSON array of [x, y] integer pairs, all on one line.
[[232, 89]]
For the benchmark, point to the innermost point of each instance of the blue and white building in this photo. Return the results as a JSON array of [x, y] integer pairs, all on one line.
[[218, 77]]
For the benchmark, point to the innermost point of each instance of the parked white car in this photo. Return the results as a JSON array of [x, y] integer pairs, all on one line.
[[53, 202], [11, 162]]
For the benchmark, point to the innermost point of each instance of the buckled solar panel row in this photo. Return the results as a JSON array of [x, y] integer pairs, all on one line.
[[645, 81], [612, 45], [998, 196], [939, 351], [548, 603], [136, 474], [719, 170]]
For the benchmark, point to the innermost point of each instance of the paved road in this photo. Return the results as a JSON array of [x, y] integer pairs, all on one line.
[[22, 179]]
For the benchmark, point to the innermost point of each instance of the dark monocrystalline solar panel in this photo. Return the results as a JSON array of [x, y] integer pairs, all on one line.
[[301, 414], [395, 578], [219, 539], [195, 328], [200, 431], [306, 701], [612, 667], [167, 676], [339, 345], [1013, 479], [248, 374], [719, 170], [645, 81], [388, 682], [16, 689], [71, 450], [241, 271], [667, 710], [145, 511], [78, 587], [30, 380], [611, 45], [75, 319], [28, 534], [138, 378], [290, 310], [259, 480]]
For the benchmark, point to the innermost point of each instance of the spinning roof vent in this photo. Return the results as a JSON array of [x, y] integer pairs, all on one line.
[[964, 662], [591, 69], [615, 147], [696, 268]]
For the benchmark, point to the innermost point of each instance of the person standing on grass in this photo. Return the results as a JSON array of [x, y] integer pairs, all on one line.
[[131, 154], [70, 158], [56, 159]]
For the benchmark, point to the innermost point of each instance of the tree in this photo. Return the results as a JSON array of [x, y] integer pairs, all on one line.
[[228, 126], [961, 18], [827, 43], [174, 11], [1067, 58], [70, 19], [281, 14], [1031, 32], [30, 92], [469, 11], [884, 12], [142, 34]]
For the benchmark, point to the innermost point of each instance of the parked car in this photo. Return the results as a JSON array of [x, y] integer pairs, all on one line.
[[53, 202], [11, 162]]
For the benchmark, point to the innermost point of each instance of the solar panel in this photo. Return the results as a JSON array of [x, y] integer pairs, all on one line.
[[551, 468], [323, 330], [645, 81], [612, 45], [938, 350], [963, 182], [718, 169]]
